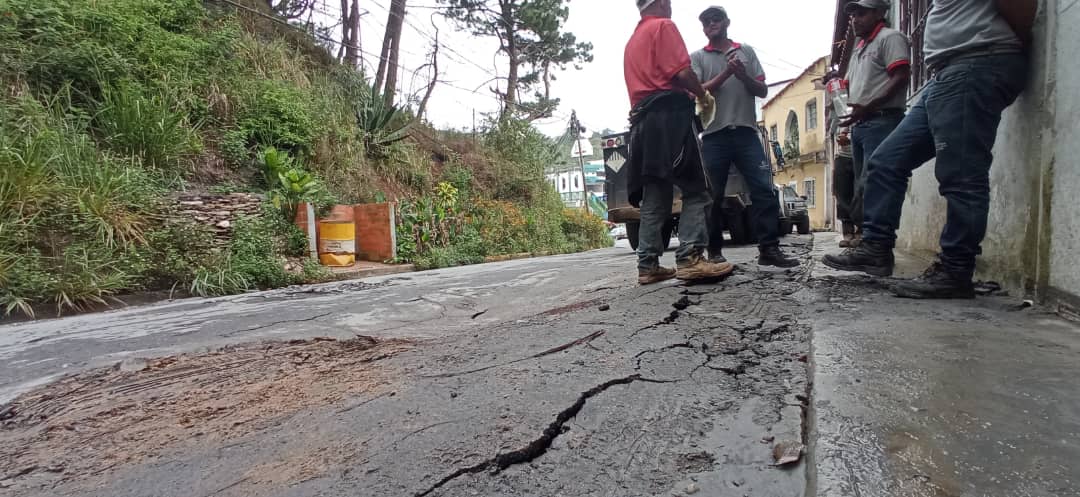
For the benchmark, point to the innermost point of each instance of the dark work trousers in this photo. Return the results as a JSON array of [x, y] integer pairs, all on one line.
[[866, 137]]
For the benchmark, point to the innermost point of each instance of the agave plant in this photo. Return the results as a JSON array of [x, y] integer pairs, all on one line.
[[381, 124]]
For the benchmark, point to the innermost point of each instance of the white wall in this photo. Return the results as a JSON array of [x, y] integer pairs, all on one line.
[[1065, 218]]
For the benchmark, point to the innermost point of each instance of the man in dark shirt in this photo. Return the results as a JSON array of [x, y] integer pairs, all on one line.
[[664, 150], [975, 50]]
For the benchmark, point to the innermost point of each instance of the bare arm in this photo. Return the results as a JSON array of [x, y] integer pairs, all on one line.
[[1020, 14], [757, 88], [738, 68], [687, 80], [718, 81]]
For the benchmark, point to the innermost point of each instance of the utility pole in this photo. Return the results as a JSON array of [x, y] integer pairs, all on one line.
[[576, 129]]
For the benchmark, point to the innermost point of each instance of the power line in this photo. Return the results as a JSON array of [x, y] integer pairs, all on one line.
[[463, 59], [316, 35]]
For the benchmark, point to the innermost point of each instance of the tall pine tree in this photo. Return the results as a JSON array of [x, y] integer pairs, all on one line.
[[531, 37]]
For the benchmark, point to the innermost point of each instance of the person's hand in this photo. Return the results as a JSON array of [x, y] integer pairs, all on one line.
[[843, 139], [736, 66], [706, 109], [858, 114]]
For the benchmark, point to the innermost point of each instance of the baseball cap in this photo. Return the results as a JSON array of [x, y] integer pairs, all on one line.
[[868, 4], [713, 11], [644, 4]]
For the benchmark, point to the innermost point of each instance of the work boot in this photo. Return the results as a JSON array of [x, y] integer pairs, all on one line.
[[936, 283], [716, 256], [771, 255], [654, 275], [848, 229], [869, 257], [696, 268]]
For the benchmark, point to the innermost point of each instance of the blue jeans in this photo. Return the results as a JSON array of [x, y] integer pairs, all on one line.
[[656, 200], [956, 121], [743, 147], [866, 137]]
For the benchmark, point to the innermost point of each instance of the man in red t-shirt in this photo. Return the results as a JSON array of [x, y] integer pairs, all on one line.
[[664, 148]]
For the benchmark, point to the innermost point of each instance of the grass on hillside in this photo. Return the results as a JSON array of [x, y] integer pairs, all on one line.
[[107, 107]]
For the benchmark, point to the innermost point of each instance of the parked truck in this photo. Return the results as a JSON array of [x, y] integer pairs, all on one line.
[[732, 214]]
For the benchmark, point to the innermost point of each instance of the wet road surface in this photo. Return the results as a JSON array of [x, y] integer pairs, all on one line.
[[501, 379], [554, 376]]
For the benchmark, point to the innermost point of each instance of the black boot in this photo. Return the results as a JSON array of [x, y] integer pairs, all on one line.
[[716, 256], [771, 255], [936, 283], [869, 257]]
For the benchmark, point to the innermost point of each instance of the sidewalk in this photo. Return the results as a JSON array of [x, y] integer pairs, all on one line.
[[939, 398]]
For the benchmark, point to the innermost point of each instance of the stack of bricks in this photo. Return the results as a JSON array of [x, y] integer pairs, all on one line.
[[218, 212]]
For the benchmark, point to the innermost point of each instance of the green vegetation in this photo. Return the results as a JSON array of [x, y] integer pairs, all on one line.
[[109, 107]]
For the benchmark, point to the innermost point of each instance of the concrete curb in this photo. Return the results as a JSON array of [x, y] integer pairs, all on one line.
[[356, 274]]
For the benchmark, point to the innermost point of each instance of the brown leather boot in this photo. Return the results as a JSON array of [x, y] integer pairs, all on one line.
[[697, 268], [654, 275]]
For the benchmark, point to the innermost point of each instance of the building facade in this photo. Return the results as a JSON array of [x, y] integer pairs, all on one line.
[[794, 125], [1035, 227]]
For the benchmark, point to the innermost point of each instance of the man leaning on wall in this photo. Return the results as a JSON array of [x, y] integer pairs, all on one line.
[[975, 50]]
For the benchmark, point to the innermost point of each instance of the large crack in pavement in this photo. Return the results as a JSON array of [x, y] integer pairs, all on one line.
[[540, 445]]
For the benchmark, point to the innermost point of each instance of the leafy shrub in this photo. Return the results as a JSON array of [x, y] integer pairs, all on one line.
[[522, 153], [276, 116], [291, 184], [429, 222], [253, 259], [584, 231], [467, 248]]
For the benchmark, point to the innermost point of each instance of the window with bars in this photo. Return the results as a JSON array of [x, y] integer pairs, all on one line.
[[811, 114], [810, 192], [912, 23]]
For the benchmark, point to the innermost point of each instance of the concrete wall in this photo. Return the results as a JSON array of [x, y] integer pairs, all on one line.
[[1033, 231], [1065, 218]]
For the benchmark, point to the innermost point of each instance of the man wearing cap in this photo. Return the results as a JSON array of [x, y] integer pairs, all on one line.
[[975, 51], [878, 78], [732, 73], [664, 151]]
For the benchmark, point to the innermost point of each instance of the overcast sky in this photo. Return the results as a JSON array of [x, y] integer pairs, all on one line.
[[787, 34]]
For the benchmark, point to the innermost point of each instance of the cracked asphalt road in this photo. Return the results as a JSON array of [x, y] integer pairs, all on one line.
[[500, 379]]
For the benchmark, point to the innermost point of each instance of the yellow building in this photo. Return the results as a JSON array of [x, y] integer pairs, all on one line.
[[794, 120]]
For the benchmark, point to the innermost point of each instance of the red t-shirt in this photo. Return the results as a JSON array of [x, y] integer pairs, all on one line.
[[654, 55]]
